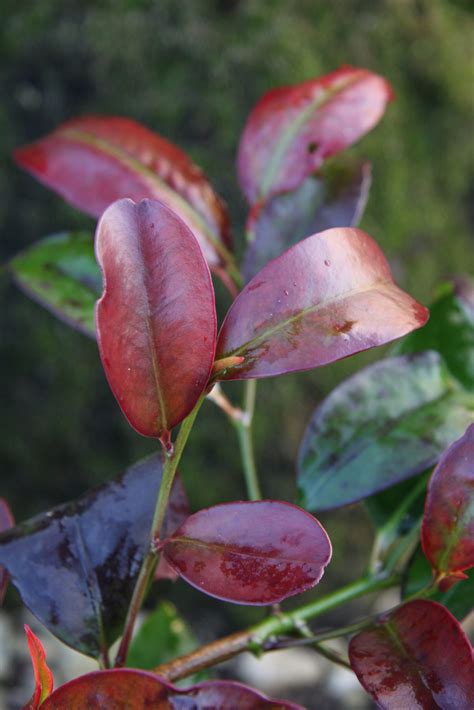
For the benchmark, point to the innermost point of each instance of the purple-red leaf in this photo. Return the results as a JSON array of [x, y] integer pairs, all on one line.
[[43, 677], [330, 296], [156, 320], [6, 521], [447, 532], [293, 129], [139, 690], [417, 658], [95, 160], [258, 552]]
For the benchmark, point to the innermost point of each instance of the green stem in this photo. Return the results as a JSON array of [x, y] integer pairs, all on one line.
[[243, 425], [150, 560], [255, 638]]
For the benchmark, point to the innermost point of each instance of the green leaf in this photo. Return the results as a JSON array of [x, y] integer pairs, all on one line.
[[60, 272], [449, 331], [387, 423], [459, 598], [162, 636], [405, 500]]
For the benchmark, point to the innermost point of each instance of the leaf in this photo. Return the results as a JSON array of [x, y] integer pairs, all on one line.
[[61, 274], [258, 552], [388, 422], [417, 657], [447, 531], [458, 599], [384, 505], [162, 636], [127, 689], [334, 199], [6, 521], [450, 331], [293, 129], [328, 297], [44, 681], [95, 160], [76, 566], [156, 320]]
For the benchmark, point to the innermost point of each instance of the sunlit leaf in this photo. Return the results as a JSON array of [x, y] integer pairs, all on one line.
[[256, 552], [162, 636], [333, 199], [61, 273], [156, 320], [95, 160], [329, 296], [459, 598], [417, 657], [447, 532], [43, 677], [76, 566], [450, 331], [293, 129], [388, 422], [6, 521]]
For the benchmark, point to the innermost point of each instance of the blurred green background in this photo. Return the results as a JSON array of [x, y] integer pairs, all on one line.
[[192, 71]]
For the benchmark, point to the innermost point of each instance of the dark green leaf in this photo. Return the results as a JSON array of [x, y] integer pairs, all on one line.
[[459, 598], [162, 636], [449, 331], [61, 273], [407, 495], [337, 198], [76, 566], [388, 422]]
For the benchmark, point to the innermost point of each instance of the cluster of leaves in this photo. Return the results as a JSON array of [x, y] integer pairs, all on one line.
[[303, 298]]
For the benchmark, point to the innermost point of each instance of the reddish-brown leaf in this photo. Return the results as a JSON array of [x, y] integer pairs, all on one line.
[[156, 322], [6, 521], [256, 552], [43, 677], [128, 689], [293, 129], [417, 658], [447, 532], [95, 160], [329, 296]]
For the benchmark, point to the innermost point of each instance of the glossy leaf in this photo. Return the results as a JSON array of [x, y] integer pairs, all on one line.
[[43, 677], [447, 532], [61, 273], [6, 521], [76, 566], [328, 297], [293, 129], [337, 198], [417, 657], [95, 160], [128, 689], [450, 331], [388, 422], [156, 320], [162, 636], [458, 599], [258, 552]]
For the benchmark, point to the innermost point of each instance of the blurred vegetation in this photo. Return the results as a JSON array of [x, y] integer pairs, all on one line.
[[192, 71]]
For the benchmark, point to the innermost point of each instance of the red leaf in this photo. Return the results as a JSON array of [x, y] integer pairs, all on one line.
[[176, 514], [95, 160], [257, 552], [293, 129], [140, 690], [417, 658], [329, 296], [447, 532], [43, 676], [6, 521], [156, 321]]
